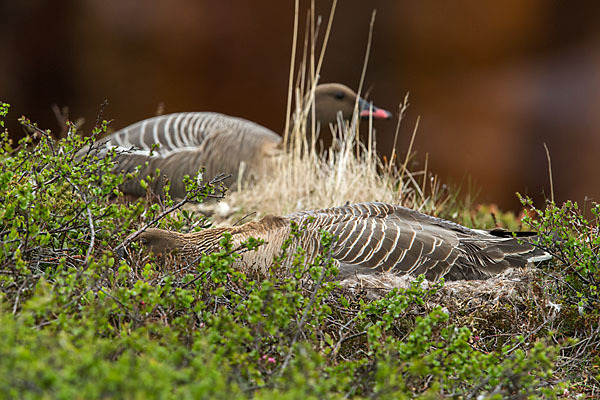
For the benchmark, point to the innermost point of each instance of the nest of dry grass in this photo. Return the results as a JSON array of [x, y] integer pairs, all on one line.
[[515, 303], [509, 293], [514, 284]]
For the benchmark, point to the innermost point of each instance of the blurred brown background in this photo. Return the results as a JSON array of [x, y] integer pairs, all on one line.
[[492, 81]]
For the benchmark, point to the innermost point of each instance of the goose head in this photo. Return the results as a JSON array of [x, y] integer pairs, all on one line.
[[334, 98]]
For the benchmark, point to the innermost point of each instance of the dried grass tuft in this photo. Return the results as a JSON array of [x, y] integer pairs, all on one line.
[[305, 176], [349, 171]]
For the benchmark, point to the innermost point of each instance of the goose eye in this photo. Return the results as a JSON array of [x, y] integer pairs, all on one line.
[[339, 95]]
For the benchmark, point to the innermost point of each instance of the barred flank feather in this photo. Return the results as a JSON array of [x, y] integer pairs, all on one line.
[[371, 237], [189, 142]]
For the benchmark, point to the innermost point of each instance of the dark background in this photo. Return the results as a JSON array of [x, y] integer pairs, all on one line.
[[492, 81]]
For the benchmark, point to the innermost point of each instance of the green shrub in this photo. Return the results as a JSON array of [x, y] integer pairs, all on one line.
[[573, 280], [575, 243], [85, 313]]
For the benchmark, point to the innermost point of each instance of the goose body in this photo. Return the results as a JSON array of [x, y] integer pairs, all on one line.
[[220, 143], [188, 142], [370, 238]]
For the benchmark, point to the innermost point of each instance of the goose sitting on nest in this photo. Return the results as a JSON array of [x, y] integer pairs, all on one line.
[[220, 143], [371, 237]]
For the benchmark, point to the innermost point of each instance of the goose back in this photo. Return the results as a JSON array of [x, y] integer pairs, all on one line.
[[188, 142], [379, 237]]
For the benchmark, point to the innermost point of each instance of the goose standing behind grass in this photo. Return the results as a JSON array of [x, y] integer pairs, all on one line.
[[220, 143], [371, 238]]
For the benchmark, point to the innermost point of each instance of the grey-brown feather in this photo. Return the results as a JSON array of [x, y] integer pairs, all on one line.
[[371, 237], [187, 143]]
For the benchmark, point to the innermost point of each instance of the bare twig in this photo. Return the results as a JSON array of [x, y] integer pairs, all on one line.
[[101, 112], [239, 221]]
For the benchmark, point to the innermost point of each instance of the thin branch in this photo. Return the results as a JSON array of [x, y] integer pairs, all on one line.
[[239, 221]]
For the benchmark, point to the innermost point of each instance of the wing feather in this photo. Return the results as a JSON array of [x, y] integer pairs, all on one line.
[[383, 237]]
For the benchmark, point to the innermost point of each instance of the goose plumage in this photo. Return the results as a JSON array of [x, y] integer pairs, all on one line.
[[220, 143], [370, 238]]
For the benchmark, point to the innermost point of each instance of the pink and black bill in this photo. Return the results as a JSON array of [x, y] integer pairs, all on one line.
[[367, 110]]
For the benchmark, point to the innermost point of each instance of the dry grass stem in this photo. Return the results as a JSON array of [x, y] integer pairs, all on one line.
[[303, 178], [292, 66], [550, 173]]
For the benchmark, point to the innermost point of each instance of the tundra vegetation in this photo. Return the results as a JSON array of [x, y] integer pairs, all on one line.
[[86, 313]]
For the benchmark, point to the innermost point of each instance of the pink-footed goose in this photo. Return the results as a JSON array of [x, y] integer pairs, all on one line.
[[371, 237], [217, 142]]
